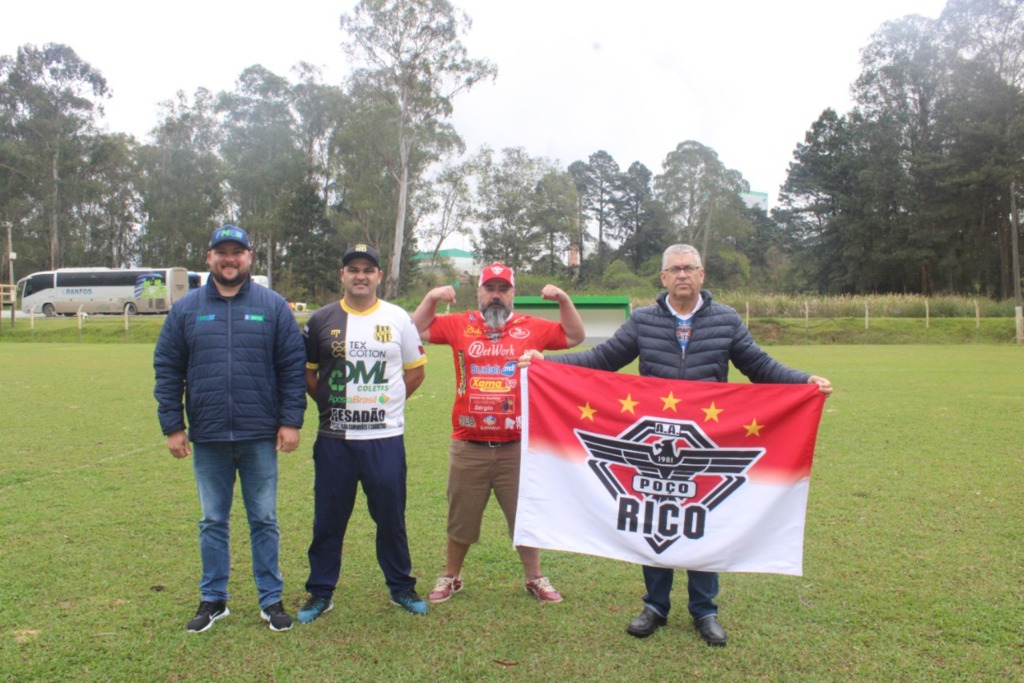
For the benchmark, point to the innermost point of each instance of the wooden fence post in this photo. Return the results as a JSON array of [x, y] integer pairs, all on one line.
[[927, 319], [977, 321]]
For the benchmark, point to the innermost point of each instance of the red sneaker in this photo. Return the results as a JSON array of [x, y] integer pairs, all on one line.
[[446, 587], [542, 589]]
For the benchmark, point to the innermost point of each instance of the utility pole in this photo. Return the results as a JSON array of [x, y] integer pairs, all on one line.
[[1016, 262], [10, 253], [9, 293]]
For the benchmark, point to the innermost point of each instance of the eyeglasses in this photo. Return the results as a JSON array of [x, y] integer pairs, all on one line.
[[675, 270]]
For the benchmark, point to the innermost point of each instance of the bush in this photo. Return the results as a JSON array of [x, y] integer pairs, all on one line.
[[618, 276]]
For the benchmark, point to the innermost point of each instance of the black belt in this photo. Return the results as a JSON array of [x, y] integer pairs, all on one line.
[[491, 444]]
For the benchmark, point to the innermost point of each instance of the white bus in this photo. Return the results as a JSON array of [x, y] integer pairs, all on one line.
[[102, 290]]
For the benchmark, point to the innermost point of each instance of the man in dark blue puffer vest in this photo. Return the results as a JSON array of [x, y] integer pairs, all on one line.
[[234, 350], [685, 335]]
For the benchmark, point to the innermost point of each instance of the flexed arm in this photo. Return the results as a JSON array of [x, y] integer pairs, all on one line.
[[427, 310], [572, 323]]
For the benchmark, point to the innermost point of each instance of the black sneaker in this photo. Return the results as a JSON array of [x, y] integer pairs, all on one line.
[[207, 613], [276, 617]]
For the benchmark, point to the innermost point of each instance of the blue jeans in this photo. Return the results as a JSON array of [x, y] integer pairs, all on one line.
[[215, 465], [339, 467], [701, 586]]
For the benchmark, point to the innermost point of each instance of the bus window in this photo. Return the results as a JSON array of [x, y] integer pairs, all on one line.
[[38, 283]]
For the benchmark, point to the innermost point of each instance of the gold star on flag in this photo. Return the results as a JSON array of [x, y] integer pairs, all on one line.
[[753, 429], [711, 413], [586, 412], [628, 403], [669, 402]]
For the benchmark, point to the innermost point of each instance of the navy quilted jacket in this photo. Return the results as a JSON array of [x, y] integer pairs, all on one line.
[[718, 336], [240, 363]]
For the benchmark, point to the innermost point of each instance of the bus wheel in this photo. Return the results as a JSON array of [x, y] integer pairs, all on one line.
[[49, 311], [130, 308]]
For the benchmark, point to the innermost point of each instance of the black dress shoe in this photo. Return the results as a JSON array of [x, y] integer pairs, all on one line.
[[645, 624], [711, 631]]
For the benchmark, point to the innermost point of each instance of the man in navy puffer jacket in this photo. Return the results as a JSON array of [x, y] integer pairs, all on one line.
[[685, 335], [233, 348]]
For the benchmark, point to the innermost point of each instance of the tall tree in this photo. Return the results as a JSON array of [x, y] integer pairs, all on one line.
[[321, 111], [182, 182], [909, 191], [580, 172], [599, 183], [990, 32], [51, 100], [111, 211], [415, 62], [312, 263], [506, 203], [553, 214], [819, 190], [692, 185], [264, 164], [449, 200], [640, 223], [989, 36], [364, 174]]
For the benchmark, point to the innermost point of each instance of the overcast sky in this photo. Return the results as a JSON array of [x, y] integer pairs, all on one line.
[[632, 77]]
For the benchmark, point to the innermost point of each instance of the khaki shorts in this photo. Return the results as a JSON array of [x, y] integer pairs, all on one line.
[[474, 470]]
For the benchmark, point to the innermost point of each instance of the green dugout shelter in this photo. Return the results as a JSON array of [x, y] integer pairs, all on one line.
[[601, 315]]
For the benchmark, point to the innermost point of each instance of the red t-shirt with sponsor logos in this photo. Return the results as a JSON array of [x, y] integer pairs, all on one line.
[[487, 393]]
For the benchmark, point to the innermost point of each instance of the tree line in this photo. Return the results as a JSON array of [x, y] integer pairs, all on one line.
[[910, 191]]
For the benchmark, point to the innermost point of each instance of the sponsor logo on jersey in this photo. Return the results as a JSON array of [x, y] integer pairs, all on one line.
[[355, 372], [358, 400], [479, 349], [361, 349], [347, 418], [495, 385]]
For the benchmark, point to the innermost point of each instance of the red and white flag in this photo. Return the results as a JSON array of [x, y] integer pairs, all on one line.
[[669, 473]]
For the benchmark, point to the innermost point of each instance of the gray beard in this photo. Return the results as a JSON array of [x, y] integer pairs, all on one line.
[[495, 316]]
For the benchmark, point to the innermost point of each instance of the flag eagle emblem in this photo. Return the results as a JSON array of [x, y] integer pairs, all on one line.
[[666, 475]]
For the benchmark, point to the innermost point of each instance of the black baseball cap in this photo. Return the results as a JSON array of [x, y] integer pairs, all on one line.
[[361, 251]]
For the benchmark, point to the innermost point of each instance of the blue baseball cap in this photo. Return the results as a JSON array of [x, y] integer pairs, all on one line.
[[230, 233]]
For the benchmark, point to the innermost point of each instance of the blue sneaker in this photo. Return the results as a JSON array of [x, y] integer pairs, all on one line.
[[410, 602], [314, 607]]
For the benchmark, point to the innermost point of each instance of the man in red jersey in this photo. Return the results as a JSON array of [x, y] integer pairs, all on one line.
[[487, 415]]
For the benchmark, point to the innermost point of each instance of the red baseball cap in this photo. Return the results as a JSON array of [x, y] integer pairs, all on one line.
[[497, 271]]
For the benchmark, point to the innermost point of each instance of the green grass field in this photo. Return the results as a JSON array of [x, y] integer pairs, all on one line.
[[913, 564]]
